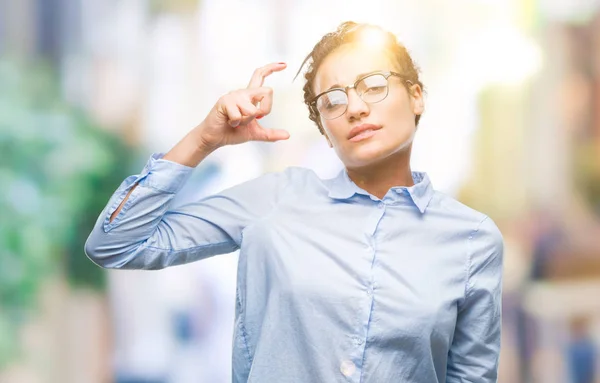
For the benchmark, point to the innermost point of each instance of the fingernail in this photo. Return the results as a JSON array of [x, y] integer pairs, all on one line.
[[259, 117], [282, 63]]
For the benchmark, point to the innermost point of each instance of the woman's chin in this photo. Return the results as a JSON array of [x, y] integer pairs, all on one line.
[[368, 155], [364, 157]]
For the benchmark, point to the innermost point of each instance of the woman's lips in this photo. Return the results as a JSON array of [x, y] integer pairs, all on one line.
[[362, 132], [363, 135]]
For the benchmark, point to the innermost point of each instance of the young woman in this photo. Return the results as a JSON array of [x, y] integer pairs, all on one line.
[[372, 276]]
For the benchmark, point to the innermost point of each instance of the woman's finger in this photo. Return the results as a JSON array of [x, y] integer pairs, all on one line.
[[261, 97], [272, 135], [259, 75], [259, 133], [247, 108], [234, 115]]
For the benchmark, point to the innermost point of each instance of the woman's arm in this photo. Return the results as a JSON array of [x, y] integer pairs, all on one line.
[[137, 229], [190, 151], [148, 234], [475, 349]]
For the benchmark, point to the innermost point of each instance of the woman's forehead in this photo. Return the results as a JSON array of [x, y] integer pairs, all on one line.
[[345, 64]]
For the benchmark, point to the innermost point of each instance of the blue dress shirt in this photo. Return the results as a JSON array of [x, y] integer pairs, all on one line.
[[334, 284]]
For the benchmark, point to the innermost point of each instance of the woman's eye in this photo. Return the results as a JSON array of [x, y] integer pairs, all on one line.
[[375, 89]]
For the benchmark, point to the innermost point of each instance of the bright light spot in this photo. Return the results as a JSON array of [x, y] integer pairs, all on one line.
[[499, 55], [372, 37]]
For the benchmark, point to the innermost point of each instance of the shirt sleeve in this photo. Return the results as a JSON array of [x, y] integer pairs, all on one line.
[[150, 234], [475, 350]]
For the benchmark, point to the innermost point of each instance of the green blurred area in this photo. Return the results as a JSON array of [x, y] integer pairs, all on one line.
[[57, 170]]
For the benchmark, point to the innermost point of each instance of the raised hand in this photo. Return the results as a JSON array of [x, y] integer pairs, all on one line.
[[234, 118]]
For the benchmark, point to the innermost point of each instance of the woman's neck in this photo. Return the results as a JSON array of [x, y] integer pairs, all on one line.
[[378, 178]]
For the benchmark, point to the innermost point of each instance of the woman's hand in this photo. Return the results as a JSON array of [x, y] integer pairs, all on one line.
[[234, 118]]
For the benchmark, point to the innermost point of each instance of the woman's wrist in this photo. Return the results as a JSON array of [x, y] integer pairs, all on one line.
[[191, 150]]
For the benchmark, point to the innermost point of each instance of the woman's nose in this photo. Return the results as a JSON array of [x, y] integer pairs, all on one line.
[[357, 108]]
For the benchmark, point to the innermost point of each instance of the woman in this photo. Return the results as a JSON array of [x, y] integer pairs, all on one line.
[[372, 276]]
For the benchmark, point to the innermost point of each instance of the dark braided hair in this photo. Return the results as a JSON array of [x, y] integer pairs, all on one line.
[[347, 32]]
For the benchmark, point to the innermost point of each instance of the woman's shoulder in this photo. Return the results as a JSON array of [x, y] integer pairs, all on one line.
[[282, 179], [298, 181], [300, 175], [475, 222], [451, 205]]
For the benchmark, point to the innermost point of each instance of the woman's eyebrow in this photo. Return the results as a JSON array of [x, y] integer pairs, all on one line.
[[355, 78]]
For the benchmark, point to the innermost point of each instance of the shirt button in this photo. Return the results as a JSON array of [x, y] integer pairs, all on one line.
[[369, 292], [359, 341], [347, 368], [381, 205]]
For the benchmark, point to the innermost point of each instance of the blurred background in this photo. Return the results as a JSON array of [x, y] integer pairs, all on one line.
[[90, 88]]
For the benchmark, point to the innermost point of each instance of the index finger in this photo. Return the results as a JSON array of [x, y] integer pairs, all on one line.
[[259, 75]]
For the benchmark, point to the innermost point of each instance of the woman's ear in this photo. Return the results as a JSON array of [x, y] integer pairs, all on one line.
[[418, 104]]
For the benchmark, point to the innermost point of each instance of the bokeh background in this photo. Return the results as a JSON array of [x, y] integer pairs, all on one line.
[[90, 88]]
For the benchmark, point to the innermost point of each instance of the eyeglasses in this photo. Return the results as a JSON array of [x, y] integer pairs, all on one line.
[[372, 88]]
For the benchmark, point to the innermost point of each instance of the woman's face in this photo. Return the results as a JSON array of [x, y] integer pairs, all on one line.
[[392, 120]]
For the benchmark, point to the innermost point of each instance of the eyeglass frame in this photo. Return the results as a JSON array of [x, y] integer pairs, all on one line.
[[385, 74]]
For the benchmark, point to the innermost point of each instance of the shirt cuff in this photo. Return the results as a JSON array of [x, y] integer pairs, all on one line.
[[164, 175]]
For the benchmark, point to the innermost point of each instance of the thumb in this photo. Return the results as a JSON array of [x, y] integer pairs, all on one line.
[[272, 135], [259, 133]]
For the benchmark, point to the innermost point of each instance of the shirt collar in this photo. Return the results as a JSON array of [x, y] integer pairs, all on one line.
[[421, 193]]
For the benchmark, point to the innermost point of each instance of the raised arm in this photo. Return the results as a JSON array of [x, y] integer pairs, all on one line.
[[138, 229]]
